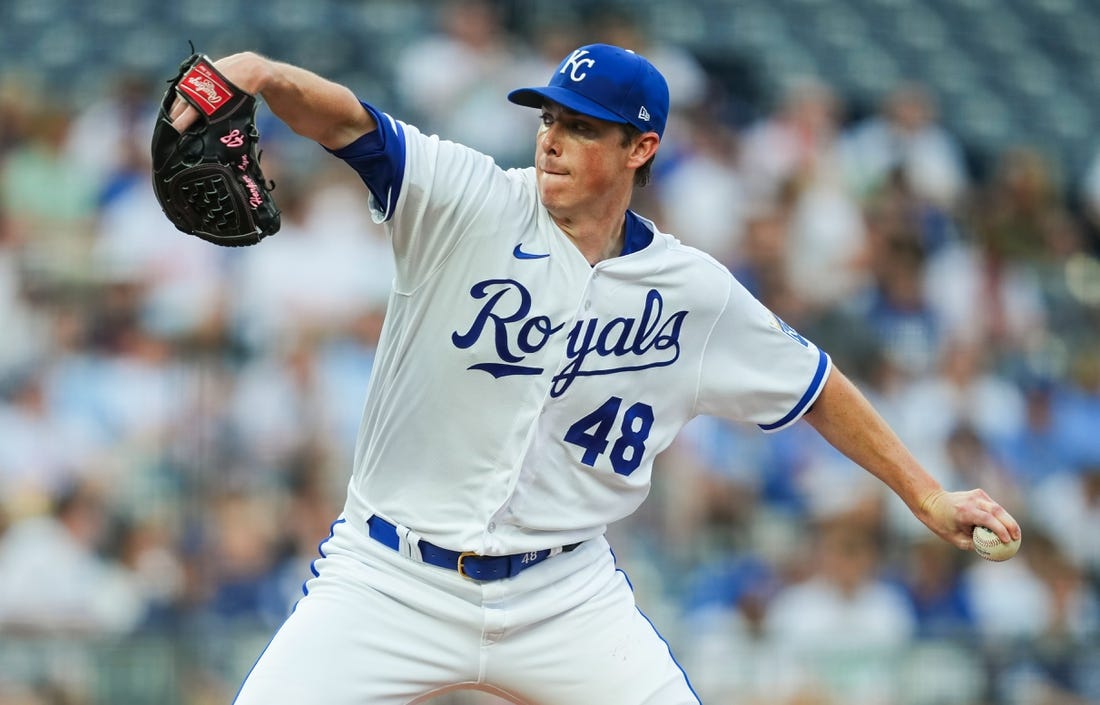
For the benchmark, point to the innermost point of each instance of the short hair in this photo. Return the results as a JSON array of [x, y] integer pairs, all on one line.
[[644, 174]]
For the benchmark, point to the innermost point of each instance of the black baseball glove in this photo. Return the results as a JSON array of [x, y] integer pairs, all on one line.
[[208, 179]]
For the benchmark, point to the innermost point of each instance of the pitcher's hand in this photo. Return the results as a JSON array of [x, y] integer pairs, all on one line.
[[241, 69], [953, 516]]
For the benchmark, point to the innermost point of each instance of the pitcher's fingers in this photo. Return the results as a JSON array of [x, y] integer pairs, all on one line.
[[185, 118], [178, 106], [1006, 527]]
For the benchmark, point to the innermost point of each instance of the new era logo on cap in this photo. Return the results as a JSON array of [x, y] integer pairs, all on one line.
[[605, 82]]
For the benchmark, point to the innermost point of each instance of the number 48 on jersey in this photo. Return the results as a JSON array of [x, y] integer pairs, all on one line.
[[592, 433]]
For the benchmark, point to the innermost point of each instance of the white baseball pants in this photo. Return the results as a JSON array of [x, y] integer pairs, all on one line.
[[376, 628]]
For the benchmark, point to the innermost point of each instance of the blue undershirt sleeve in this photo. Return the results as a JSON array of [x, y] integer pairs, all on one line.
[[379, 159]]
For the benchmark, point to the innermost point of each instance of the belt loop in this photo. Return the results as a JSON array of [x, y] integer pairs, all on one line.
[[409, 542]]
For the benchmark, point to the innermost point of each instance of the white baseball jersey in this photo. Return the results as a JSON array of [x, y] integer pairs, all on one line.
[[519, 394]]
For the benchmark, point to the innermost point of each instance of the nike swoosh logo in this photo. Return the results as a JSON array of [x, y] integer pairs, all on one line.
[[518, 253]]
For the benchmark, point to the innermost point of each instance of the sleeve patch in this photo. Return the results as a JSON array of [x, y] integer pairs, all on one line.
[[780, 325]]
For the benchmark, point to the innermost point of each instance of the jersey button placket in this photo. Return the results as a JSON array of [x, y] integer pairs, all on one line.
[[588, 290]]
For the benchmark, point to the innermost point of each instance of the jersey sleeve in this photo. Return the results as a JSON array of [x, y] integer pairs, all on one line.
[[758, 369], [379, 159], [430, 193]]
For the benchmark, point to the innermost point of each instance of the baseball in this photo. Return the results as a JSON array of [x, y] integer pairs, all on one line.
[[990, 547]]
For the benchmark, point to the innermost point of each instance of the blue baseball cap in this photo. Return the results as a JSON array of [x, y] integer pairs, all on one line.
[[608, 83]]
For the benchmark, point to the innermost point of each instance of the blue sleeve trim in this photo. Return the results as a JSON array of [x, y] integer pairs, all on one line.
[[379, 159], [811, 393]]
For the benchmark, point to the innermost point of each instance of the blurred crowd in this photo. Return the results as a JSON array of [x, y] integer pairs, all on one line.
[[177, 420]]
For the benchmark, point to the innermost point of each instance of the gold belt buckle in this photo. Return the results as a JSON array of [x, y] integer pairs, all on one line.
[[461, 568]]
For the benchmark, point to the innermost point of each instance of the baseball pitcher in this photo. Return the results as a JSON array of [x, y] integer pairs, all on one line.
[[542, 345]]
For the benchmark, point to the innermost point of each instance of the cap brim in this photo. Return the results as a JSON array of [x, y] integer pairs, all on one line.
[[537, 97]]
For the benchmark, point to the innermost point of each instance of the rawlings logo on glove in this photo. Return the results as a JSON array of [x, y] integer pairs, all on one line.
[[208, 179]]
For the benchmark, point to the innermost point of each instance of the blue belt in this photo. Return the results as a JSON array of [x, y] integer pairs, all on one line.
[[467, 563]]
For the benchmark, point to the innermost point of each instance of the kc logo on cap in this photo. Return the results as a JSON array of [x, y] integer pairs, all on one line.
[[575, 64], [605, 82]]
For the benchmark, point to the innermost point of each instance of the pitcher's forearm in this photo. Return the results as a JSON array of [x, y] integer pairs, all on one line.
[[848, 421], [311, 105]]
